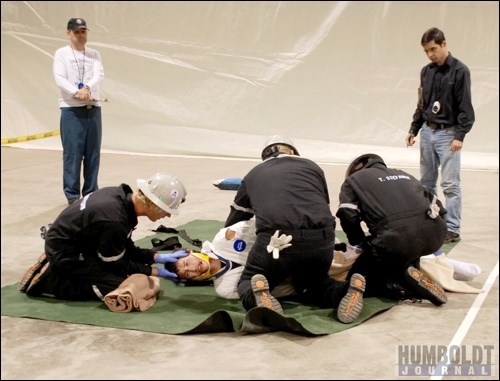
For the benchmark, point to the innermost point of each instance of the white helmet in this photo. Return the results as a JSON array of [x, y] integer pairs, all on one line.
[[271, 141], [164, 190]]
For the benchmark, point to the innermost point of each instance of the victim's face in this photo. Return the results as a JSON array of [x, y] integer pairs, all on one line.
[[191, 267]]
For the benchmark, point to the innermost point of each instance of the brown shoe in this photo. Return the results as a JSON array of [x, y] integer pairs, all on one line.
[[37, 286], [351, 305], [263, 297], [424, 287], [32, 271]]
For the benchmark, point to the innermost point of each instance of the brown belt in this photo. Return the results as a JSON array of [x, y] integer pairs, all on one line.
[[436, 126]]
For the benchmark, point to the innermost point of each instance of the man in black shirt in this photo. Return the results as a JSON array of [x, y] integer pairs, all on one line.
[[88, 249], [288, 195], [404, 221], [445, 115]]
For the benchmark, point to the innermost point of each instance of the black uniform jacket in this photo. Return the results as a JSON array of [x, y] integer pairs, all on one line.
[[384, 198], [99, 227], [284, 192]]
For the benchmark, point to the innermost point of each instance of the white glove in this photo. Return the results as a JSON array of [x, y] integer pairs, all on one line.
[[278, 243], [434, 209]]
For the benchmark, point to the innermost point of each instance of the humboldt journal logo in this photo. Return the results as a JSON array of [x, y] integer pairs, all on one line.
[[441, 360]]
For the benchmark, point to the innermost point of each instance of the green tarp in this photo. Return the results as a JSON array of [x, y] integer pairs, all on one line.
[[183, 310]]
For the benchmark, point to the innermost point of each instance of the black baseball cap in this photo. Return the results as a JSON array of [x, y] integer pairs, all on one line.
[[76, 24]]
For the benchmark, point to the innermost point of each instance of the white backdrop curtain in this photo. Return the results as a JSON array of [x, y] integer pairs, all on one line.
[[216, 78]]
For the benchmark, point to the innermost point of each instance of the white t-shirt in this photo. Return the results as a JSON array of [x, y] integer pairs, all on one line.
[[72, 67]]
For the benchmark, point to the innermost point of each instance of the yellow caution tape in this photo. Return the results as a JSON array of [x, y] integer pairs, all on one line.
[[31, 137]]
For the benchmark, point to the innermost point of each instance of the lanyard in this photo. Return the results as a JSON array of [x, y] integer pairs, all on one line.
[[81, 78]]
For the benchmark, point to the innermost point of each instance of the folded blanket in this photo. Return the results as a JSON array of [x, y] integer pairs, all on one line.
[[137, 292]]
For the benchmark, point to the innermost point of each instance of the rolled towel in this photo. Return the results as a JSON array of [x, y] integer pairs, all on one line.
[[136, 293]]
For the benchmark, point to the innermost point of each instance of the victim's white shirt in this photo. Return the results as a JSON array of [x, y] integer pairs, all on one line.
[[235, 250]]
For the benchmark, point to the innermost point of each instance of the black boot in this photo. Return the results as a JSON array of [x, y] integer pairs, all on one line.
[[396, 291], [425, 287]]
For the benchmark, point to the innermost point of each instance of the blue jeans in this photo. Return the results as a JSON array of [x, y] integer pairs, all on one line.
[[81, 134], [435, 152]]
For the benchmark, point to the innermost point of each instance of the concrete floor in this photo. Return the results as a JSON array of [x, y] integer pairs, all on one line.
[[34, 349]]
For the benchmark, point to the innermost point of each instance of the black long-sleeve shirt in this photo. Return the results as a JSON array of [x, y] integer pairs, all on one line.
[[99, 227], [383, 198], [284, 192], [453, 93]]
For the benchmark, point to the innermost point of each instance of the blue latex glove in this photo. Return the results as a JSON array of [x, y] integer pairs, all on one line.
[[164, 273], [170, 257]]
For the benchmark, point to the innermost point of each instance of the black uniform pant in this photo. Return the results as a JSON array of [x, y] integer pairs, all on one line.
[[394, 248], [80, 280], [306, 262]]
